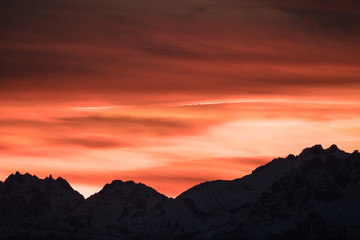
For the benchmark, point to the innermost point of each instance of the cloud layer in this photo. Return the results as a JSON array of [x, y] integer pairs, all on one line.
[[192, 47]]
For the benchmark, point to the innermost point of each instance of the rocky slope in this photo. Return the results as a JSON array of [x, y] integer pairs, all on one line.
[[314, 195]]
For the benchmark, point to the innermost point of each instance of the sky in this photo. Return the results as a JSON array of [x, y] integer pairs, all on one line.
[[173, 93]]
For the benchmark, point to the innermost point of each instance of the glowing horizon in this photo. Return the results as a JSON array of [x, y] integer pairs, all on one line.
[[155, 137]]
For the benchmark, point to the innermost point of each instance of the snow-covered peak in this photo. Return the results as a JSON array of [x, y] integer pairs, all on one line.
[[278, 165], [120, 189], [118, 202], [27, 195]]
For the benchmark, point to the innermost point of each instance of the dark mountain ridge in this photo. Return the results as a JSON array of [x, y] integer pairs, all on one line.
[[314, 195]]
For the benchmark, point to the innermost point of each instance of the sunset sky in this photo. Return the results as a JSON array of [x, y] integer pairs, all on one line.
[[173, 93]]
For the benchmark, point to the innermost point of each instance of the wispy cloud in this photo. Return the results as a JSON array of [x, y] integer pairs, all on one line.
[[262, 100], [92, 142], [101, 108]]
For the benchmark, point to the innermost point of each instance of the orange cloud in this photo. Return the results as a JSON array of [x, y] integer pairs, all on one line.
[[160, 126]]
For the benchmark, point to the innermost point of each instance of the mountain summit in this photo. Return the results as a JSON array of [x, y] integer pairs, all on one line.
[[28, 196], [314, 195]]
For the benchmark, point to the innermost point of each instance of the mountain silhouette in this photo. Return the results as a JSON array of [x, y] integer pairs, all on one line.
[[314, 195]]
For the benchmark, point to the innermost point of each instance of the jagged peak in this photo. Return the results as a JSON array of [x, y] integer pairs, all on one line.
[[333, 148], [115, 184], [316, 149], [49, 178], [27, 178], [18, 177]]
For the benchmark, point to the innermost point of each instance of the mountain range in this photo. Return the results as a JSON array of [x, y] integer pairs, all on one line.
[[315, 195]]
